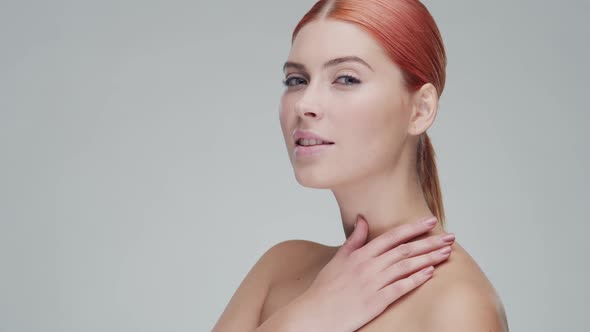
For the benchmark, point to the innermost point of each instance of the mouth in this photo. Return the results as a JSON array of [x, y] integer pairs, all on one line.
[[307, 149], [310, 143]]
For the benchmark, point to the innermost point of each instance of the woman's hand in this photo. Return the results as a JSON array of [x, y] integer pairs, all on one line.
[[362, 280]]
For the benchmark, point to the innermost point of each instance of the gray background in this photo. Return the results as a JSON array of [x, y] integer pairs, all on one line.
[[143, 171]]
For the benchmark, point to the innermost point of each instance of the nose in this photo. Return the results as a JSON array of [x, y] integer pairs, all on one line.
[[306, 108], [308, 111]]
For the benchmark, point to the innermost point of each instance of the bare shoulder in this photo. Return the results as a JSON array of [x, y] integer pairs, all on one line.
[[242, 313], [457, 298], [462, 298], [465, 308], [299, 247], [291, 255]]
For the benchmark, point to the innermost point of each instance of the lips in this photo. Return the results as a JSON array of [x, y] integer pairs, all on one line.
[[308, 134], [298, 143], [309, 151]]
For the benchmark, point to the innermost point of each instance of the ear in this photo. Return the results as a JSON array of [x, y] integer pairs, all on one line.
[[424, 109]]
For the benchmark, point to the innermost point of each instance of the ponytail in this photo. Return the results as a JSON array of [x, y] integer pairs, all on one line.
[[428, 176]]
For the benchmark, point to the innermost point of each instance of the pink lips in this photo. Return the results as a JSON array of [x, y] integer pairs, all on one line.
[[297, 134], [312, 150]]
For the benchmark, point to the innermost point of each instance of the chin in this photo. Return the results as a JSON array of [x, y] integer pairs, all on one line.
[[314, 179]]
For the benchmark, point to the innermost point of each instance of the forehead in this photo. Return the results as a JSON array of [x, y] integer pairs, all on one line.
[[321, 40]]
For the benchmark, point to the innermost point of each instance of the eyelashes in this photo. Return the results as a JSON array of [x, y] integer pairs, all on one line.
[[287, 82]]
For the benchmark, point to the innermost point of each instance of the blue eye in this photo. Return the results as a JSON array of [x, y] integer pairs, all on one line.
[[287, 81], [352, 80]]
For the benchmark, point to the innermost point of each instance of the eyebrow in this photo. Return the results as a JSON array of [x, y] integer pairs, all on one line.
[[329, 63]]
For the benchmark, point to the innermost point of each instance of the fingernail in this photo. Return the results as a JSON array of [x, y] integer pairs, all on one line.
[[445, 250], [428, 271], [448, 238], [430, 222], [360, 216]]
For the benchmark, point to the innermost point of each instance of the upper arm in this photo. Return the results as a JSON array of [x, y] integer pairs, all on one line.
[[465, 308], [243, 310]]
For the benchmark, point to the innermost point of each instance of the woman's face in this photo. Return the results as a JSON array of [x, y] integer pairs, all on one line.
[[366, 115]]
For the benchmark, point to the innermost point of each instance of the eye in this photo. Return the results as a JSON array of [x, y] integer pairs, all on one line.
[[292, 81], [350, 78]]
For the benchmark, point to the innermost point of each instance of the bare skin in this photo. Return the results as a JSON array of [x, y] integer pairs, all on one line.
[[375, 123], [369, 115], [412, 312]]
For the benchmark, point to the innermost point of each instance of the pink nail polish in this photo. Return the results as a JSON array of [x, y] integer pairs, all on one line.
[[430, 222], [428, 271], [445, 250], [448, 238]]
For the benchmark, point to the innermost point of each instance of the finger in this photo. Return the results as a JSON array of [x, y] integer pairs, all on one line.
[[394, 291], [412, 249], [397, 236], [408, 266], [357, 238]]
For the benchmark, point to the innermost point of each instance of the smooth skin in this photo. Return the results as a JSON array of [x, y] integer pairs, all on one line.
[[360, 282], [375, 123], [357, 284], [294, 287]]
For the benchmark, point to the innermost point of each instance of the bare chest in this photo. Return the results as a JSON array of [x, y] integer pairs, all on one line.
[[284, 291]]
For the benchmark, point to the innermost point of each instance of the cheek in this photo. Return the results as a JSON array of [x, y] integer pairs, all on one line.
[[373, 126], [372, 117], [285, 114]]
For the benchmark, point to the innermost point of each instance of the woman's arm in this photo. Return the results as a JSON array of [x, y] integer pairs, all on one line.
[[465, 308], [243, 310], [294, 317]]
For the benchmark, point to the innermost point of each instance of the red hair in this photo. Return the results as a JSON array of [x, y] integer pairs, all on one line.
[[409, 35]]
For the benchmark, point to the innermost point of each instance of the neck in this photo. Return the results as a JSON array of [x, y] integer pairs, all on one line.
[[385, 200]]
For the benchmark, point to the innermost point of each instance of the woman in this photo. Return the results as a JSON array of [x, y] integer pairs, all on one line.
[[363, 80]]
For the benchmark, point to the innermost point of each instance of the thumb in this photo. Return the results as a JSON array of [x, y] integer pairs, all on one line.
[[357, 238]]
